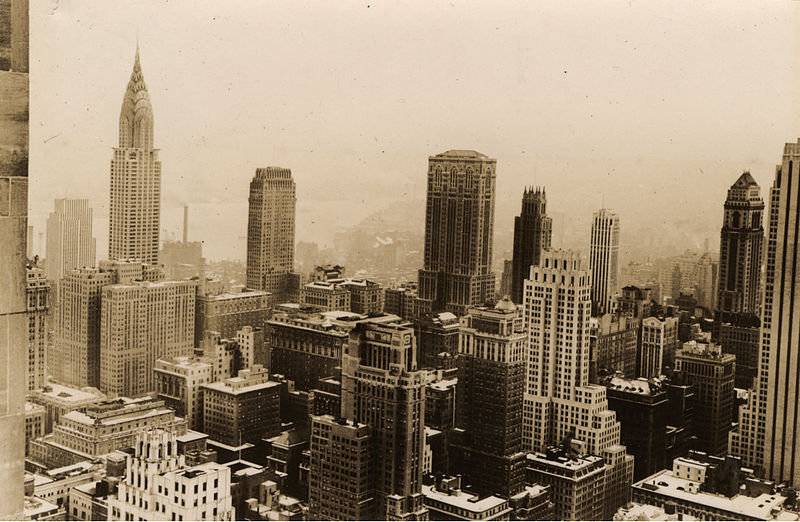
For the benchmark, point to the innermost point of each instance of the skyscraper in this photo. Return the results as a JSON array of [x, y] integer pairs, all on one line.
[[382, 388], [135, 207], [737, 312], [740, 248], [270, 232], [491, 383], [768, 435], [38, 293], [141, 322], [604, 259], [459, 230], [533, 231], [70, 243], [559, 401]]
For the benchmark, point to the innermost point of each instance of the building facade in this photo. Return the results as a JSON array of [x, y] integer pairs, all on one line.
[[270, 232], [658, 342], [604, 260], [70, 244], [179, 383], [142, 322], [459, 231], [613, 342], [242, 409], [533, 231], [227, 313], [135, 200], [437, 340], [341, 485]]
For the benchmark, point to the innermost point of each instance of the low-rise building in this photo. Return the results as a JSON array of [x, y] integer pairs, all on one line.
[[446, 501], [227, 313], [178, 384], [34, 423], [327, 295], [102, 429], [58, 399], [688, 488], [577, 483]]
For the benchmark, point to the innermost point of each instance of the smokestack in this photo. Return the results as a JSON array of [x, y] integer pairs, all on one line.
[[185, 223]]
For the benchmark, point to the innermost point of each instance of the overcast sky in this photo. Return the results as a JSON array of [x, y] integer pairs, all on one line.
[[655, 106]]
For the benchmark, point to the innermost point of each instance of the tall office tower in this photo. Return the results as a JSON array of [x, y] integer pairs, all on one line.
[[533, 232], [74, 359], [382, 388], [737, 311], [740, 248], [559, 400], [459, 230], [135, 207], [38, 294], [141, 322], [711, 372], [768, 435], [70, 244], [340, 485], [604, 259], [491, 384], [270, 232], [658, 342], [14, 93], [158, 485]]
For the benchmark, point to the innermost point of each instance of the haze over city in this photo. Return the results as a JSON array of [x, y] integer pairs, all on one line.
[[648, 108]]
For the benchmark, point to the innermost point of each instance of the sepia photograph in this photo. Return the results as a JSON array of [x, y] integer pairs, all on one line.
[[418, 260]]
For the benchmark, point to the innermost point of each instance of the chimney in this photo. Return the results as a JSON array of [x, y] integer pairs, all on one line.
[[185, 222]]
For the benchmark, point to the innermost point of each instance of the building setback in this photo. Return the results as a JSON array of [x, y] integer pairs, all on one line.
[[270, 233], [559, 401], [135, 198], [459, 231], [341, 485], [533, 231]]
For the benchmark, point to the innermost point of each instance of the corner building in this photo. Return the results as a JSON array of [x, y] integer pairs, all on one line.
[[559, 401], [459, 230]]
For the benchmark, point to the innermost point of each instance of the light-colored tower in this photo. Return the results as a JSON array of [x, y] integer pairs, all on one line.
[[559, 401], [459, 230], [38, 293], [604, 259], [382, 388], [270, 232], [135, 208], [769, 424], [158, 485], [70, 244], [140, 323]]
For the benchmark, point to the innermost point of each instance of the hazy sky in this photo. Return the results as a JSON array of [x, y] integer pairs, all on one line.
[[658, 105]]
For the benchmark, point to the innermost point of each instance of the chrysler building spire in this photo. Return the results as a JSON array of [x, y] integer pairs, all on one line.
[[136, 115]]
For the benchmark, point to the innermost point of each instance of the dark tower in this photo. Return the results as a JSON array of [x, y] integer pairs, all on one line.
[[737, 320], [459, 229], [533, 232]]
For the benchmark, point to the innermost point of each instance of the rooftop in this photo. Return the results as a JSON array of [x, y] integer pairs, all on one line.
[[753, 508], [462, 500], [61, 393], [462, 154]]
